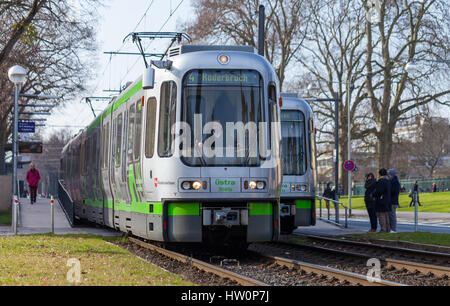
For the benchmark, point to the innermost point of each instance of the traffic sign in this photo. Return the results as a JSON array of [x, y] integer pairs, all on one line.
[[349, 165], [27, 127]]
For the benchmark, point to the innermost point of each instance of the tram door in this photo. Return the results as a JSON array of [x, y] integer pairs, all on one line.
[[119, 181], [133, 166], [108, 215]]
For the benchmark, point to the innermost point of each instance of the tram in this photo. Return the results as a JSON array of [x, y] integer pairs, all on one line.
[[189, 152], [297, 200]]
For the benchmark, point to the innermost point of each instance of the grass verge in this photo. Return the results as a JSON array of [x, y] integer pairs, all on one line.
[[431, 202], [43, 260], [5, 217], [417, 237]]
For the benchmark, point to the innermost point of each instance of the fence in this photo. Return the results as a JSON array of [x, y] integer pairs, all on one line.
[[336, 211], [66, 202], [425, 185]]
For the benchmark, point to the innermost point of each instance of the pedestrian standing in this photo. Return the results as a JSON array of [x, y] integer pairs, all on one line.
[[395, 192], [383, 200], [434, 187], [33, 178], [369, 200], [415, 191], [328, 194]]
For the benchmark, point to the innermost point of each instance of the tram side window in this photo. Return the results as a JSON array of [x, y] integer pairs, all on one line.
[[83, 158], [118, 139], [272, 109], [106, 146], [130, 131], [150, 128], [167, 118], [312, 144], [138, 133]]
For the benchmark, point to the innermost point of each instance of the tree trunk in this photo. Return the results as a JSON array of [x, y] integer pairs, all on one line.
[[384, 147]]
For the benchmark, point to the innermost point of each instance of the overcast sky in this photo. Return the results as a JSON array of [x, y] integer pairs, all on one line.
[[117, 19]]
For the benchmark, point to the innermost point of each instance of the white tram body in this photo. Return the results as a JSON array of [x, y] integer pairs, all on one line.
[[297, 200], [128, 169]]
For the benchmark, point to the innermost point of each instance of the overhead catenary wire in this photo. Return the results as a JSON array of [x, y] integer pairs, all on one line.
[[108, 65], [149, 44]]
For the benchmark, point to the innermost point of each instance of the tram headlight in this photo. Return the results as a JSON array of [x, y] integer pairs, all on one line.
[[302, 188], [186, 185], [260, 185], [197, 185]]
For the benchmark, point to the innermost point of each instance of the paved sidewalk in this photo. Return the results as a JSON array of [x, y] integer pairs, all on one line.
[[401, 215], [36, 219], [324, 228]]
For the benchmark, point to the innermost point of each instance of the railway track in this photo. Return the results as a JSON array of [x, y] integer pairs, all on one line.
[[201, 265], [299, 272], [341, 275], [401, 271], [384, 250]]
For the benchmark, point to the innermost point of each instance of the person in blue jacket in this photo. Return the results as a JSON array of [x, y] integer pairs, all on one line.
[[395, 191]]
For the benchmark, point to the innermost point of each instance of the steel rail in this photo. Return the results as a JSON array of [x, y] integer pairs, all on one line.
[[412, 266], [341, 275], [223, 273], [380, 246]]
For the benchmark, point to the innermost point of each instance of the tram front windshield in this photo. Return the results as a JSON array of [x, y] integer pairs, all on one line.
[[221, 97], [293, 142]]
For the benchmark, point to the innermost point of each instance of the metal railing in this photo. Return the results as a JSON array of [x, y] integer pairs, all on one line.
[[66, 202], [336, 208]]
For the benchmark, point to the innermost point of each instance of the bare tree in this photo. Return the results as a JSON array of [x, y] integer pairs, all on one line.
[[224, 21], [56, 48], [433, 146], [405, 31], [332, 54]]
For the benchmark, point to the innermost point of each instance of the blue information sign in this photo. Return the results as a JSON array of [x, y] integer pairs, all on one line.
[[27, 127]]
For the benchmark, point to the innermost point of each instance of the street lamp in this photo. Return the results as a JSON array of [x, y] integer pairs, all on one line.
[[17, 75], [411, 67]]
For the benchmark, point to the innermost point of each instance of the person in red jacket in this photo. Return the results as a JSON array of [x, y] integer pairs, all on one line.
[[33, 178]]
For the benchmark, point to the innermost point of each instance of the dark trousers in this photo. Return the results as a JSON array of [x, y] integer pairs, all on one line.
[[373, 217], [33, 192]]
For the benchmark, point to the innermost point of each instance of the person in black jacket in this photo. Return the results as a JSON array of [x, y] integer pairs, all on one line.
[[416, 192], [369, 199], [328, 193], [395, 191], [383, 200]]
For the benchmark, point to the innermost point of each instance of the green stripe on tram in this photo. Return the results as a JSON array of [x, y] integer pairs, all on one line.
[[260, 209], [183, 209], [303, 204]]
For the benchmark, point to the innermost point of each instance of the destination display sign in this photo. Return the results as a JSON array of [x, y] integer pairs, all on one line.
[[291, 115], [223, 77]]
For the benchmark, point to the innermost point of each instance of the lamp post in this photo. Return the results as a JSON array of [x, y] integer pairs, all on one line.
[[18, 76], [349, 85], [336, 100]]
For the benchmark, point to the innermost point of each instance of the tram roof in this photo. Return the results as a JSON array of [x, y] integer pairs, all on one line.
[[197, 48]]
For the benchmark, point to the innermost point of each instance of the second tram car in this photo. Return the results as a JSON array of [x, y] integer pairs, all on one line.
[[297, 200], [142, 166]]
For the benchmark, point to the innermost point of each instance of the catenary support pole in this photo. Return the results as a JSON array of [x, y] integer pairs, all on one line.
[[52, 214], [349, 148], [261, 29], [336, 147]]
